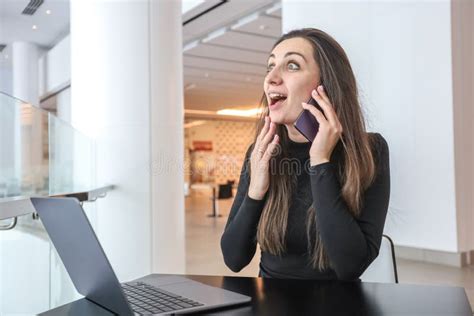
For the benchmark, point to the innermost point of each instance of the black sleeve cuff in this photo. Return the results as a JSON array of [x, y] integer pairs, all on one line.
[[253, 206], [321, 168]]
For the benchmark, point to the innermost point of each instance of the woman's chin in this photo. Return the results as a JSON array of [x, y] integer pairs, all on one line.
[[280, 118], [276, 117]]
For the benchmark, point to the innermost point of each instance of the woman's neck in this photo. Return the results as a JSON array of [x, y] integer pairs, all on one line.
[[294, 135]]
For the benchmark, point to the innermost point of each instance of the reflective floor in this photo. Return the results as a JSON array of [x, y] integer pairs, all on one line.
[[204, 256]]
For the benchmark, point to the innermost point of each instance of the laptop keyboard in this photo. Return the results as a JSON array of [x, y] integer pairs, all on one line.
[[146, 299]]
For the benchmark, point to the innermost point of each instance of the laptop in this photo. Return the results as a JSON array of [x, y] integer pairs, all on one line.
[[91, 273]]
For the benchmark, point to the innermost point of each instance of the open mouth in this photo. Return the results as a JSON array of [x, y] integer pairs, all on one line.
[[276, 99]]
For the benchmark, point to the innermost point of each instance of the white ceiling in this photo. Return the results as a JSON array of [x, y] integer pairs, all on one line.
[[225, 48], [15, 26], [225, 54]]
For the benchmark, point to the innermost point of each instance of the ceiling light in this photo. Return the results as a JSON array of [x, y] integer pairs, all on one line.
[[34, 27], [194, 123], [274, 10], [246, 113], [245, 20], [199, 112], [203, 114], [191, 45], [206, 75], [48, 12], [215, 34], [262, 27], [248, 79]]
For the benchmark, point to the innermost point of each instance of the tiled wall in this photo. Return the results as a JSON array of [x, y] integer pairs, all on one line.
[[230, 141]]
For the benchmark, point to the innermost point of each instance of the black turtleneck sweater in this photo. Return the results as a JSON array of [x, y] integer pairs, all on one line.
[[351, 243]]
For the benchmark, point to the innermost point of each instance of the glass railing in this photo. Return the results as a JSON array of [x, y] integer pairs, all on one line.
[[40, 155]]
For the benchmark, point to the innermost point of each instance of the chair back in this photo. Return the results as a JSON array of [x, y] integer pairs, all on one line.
[[384, 268]]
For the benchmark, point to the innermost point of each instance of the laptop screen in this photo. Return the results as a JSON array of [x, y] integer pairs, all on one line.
[[81, 253]]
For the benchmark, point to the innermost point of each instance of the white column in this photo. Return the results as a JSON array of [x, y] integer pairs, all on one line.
[[401, 53], [27, 133], [25, 72], [124, 96], [463, 84], [167, 136]]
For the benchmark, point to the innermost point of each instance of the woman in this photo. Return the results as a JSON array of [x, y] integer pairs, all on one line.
[[316, 209]]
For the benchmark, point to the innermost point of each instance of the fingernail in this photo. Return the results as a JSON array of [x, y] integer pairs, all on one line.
[[321, 88]]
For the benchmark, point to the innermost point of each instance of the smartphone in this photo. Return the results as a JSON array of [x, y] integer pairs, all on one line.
[[306, 123]]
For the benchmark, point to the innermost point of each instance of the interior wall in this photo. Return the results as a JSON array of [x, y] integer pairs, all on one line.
[[230, 141], [55, 67], [400, 52]]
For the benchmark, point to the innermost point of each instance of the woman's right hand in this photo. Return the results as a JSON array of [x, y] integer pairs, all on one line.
[[265, 146]]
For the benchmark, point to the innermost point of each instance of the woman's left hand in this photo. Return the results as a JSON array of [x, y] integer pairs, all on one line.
[[330, 129]]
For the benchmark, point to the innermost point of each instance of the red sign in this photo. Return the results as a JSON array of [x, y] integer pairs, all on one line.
[[202, 145]]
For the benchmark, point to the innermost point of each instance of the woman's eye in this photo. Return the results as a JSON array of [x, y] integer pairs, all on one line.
[[293, 66], [269, 68]]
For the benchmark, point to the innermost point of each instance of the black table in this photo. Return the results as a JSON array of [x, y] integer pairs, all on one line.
[[301, 297]]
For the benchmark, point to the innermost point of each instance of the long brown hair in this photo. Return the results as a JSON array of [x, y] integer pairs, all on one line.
[[356, 171]]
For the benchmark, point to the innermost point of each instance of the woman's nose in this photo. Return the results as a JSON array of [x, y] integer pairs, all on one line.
[[274, 77]]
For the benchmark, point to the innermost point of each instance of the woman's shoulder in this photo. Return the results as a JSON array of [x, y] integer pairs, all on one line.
[[379, 148], [377, 140]]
